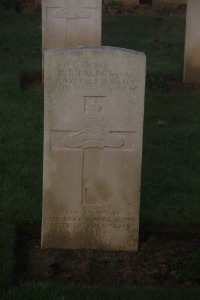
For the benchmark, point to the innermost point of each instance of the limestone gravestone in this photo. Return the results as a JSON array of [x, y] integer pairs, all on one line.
[[94, 103], [192, 43], [68, 23]]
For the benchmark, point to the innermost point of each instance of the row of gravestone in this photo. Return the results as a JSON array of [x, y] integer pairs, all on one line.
[[68, 23], [154, 3], [93, 127], [31, 4]]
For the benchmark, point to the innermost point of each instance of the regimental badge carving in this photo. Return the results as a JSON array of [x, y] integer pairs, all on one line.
[[95, 133]]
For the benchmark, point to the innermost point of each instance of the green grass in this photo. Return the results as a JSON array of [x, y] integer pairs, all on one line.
[[170, 174], [170, 181], [161, 38], [32, 291], [189, 269]]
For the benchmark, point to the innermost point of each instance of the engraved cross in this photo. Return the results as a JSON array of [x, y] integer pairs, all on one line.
[[94, 134], [71, 9]]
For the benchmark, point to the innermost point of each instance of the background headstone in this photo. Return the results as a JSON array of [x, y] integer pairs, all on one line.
[[192, 43], [94, 103], [68, 23]]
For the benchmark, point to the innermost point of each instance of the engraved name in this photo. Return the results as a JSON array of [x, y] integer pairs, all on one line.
[[93, 75]]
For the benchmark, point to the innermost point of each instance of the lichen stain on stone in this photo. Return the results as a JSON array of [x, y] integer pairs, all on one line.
[[56, 236], [97, 194], [192, 65], [52, 205]]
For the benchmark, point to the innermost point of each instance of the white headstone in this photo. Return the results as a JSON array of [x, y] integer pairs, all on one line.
[[69, 23], [192, 43], [94, 103]]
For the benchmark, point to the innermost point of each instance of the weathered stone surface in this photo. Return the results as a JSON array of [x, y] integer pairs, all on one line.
[[69, 23], [192, 43], [94, 102]]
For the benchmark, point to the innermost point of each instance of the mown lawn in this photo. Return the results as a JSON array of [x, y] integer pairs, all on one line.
[[170, 175]]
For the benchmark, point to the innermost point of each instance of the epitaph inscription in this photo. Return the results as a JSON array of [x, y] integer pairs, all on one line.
[[94, 103]]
